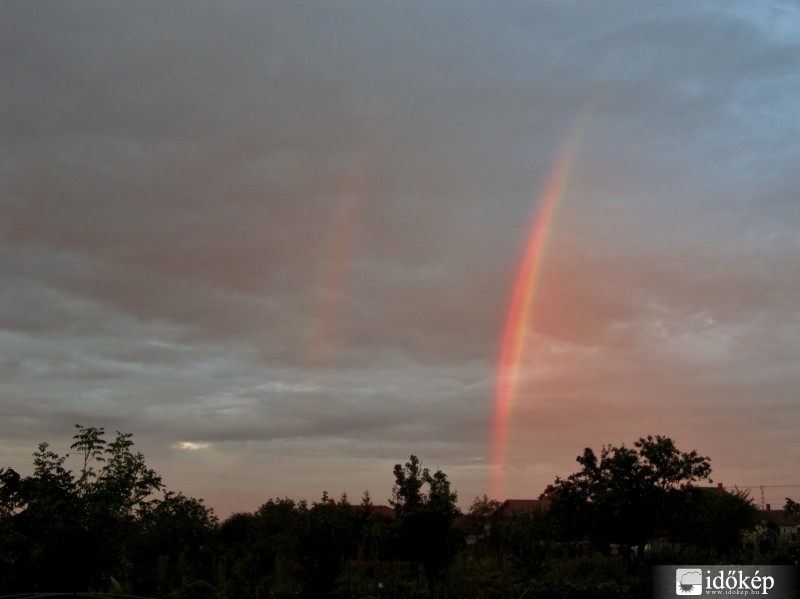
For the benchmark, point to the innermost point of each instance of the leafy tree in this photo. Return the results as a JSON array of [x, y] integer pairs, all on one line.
[[272, 552], [373, 531], [793, 508], [620, 497], [792, 556], [41, 524], [366, 500], [526, 539], [124, 483], [711, 521], [408, 495], [278, 535], [238, 560], [72, 531], [327, 542], [114, 488], [477, 521], [177, 529], [483, 507], [424, 517]]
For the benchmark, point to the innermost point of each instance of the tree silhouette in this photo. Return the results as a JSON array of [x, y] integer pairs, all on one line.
[[712, 521], [425, 508], [620, 497], [65, 531]]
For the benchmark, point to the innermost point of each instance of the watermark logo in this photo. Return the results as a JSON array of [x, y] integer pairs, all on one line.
[[688, 581], [776, 582]]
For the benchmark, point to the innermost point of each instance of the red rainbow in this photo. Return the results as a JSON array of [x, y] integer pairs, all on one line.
[[515, 330]]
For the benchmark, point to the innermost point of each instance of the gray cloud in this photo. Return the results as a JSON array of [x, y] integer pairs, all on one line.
[[287, 234]]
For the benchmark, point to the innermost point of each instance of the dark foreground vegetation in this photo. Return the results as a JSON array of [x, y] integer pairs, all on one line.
[[113, 527]]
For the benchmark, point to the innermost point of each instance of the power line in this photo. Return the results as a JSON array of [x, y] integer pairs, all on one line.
[[764, 486], [769, 498]]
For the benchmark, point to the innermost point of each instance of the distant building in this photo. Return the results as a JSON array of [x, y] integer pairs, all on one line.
[[512, 507], [780, 518]]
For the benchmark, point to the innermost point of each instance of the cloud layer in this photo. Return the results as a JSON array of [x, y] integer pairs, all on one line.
[[276, 243]]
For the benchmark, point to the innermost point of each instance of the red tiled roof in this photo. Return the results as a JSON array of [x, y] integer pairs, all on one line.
[[521, 506]]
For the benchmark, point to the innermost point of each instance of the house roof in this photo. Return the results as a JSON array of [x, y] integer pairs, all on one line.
[[718, 489], [521, 506], [780, 517]]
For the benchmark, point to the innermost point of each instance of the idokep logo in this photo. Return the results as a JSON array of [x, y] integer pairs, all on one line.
[[775, 582], [688, 581]]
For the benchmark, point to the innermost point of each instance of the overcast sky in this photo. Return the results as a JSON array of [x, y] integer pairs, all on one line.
[[276, 241]]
